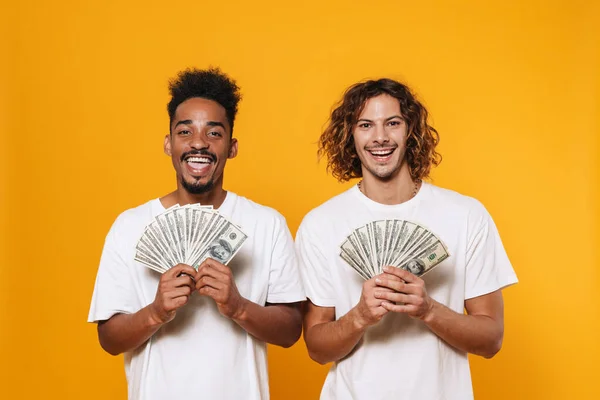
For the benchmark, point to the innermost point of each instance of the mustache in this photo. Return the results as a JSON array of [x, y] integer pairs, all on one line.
[[204, 153]]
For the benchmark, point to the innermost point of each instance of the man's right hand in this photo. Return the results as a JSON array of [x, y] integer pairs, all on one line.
[[174, 289], [369, 309]]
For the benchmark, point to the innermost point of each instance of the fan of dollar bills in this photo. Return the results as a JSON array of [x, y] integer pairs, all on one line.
[[397, 243], [188, 235]]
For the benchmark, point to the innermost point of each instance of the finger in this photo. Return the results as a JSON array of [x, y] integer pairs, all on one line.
[[389, 276], [192, 277], [209, 270], [184, 280], [179, 268], [394, 297], [399, 308], [177, 292], [402, 274], [175, 303], [379, 311], [209, 291], [394, 283], [209, 281], [217, 265]]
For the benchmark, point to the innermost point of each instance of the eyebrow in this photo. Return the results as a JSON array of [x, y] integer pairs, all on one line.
[[183, 122], [387, 119], [215, 123], [190, 122]]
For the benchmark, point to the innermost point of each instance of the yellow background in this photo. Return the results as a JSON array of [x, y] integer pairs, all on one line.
[[513, 89]]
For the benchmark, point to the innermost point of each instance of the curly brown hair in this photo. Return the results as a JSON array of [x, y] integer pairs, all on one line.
[[337, 141]]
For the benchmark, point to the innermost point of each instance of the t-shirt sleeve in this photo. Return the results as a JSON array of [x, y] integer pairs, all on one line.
[[314, 270], [113, 291], [285, 285], [487, 265]]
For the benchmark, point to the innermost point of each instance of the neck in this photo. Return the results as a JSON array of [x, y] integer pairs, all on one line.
[[214, 197], [395, 190]]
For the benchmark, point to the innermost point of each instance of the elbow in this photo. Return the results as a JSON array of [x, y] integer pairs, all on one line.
[[492, 348], [319, 358], [108, 348], [106, 344], [112, 352], [291, 339]]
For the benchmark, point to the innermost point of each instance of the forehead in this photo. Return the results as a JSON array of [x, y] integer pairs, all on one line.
[[383, 105], [200, 110]]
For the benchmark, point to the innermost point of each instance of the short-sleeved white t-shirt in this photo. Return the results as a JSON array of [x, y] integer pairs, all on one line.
[[400, 358], [200, 354]]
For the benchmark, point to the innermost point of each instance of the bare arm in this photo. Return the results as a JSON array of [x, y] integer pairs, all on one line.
[[480, 332], [125, 332], [279, 324], [329, 340]]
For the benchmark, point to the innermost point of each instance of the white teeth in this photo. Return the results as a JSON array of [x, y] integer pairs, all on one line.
[[203, 160], [382, 153]]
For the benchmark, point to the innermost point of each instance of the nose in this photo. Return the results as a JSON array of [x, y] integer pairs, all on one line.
[[381, 134], [198, 141]]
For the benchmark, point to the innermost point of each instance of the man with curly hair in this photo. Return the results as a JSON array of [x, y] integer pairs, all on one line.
[[190, 334], [397, 335]]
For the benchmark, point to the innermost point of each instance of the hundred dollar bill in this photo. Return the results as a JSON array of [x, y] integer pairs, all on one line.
[[424, 261], [353, 252], [352, 262], [223, 246]]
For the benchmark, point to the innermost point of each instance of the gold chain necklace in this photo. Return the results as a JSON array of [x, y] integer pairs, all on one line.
[[416, 188]]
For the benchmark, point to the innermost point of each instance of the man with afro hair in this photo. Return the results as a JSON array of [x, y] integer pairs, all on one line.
[[199, 334]]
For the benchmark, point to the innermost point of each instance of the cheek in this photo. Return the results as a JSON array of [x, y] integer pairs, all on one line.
[[360, 141]]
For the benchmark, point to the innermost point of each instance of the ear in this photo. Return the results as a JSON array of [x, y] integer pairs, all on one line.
[[233, 148], [167, 145]]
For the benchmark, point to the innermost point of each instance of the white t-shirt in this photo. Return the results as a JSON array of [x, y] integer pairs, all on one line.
[[200, 354], [400, 358]]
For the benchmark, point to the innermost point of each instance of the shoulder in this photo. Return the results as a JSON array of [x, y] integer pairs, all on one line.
[[133, 219], [457, 206], [452, 200], [332, 209], [261, 213]]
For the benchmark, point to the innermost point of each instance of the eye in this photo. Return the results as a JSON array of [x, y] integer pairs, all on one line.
[[395, 123], [214, 134], [184, 132], [364, 125]]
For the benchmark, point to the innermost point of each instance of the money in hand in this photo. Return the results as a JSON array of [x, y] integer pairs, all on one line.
[[188, 235], [397, 243]]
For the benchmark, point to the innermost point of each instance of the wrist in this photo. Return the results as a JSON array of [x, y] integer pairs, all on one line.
[[359, 322], [429, 315], [241, 313], [154, 317]]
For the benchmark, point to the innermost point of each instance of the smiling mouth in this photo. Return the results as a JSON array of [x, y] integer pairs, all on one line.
[[198, 164], [382, 154]]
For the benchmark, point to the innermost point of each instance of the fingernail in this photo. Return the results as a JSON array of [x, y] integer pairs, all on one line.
[[377, 280], [386, 269]]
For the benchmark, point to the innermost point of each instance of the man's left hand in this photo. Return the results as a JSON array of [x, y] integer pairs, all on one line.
[[215, 280], [409, 296]]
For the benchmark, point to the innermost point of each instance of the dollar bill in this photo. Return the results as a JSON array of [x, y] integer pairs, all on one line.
[[188, 234], [425, 260], [400, 243], [223, 246]]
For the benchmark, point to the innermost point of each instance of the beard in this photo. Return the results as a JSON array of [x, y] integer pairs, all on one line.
[[197, 188]]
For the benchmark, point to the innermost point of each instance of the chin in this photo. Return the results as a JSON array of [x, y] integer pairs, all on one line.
[[197, 186]]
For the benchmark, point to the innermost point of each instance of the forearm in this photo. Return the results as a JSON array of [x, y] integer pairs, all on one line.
[[332, 341], [477, 334], [125, 332], [279, 324]]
